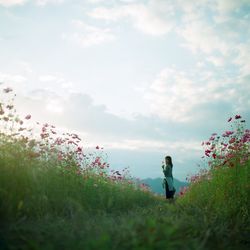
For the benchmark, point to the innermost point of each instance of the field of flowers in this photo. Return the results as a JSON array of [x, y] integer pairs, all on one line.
[[55, 194]]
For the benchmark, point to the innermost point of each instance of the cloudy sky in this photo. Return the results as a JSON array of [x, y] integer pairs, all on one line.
[[142, 78]]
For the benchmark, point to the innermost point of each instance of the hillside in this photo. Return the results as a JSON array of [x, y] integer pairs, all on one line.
[[155, 185]]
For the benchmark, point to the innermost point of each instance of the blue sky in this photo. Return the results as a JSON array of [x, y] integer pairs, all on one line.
[[142, 78]]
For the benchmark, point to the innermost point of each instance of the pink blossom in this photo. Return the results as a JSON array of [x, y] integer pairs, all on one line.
[[44, 135], [211, 138], [27, 117], [232, 140], [227, 133], [207, 152], [79, 150], [7, 90], [237, 117], [97, 147]]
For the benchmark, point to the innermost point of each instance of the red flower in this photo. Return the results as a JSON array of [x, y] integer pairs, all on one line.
[[214, 156], [237, 117]]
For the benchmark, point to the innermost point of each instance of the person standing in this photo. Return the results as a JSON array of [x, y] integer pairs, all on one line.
[[168, 181]]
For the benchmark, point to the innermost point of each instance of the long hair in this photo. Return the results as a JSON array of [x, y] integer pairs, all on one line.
[[169, 159]]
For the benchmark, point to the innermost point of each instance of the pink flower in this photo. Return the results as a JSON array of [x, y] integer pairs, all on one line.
[[237, 117], [79, 150], [227, 133], [230, 119], [214, 156], [27, 117], [232, 140], [7, 90], [207, 152], [59, 157], [97, 147]]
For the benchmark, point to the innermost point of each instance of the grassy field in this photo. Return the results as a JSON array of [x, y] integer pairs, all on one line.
[[53, 196], [43, 206]]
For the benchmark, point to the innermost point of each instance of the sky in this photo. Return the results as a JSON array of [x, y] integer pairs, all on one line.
[[141, 78]]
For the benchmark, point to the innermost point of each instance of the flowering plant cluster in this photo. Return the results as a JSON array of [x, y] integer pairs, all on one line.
[[66, 150], [231, 146], [225, 150]]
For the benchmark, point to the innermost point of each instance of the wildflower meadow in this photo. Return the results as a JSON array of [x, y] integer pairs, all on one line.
[[57, 194]]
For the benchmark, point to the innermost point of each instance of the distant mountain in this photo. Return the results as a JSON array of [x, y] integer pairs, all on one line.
[[156, 185]]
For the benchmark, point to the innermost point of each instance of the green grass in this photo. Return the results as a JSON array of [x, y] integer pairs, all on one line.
[[45, 206]]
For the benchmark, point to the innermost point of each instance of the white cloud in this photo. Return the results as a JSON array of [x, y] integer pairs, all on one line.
[[88, 35], [183, 97], [200, 37], [54, 106], [9, 3], [12, 78], [50, 82], [26, 67], [132, 144], [228, 6], [96, 1], [50, 78], [242, 59], [217, 61], [153, 18], [45, 2], [12, 3], [214, 28], [154, 145]]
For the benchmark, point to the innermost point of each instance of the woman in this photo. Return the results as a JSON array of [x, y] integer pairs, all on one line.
[[168, 181]]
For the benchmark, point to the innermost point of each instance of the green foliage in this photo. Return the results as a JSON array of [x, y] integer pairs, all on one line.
[[50, 200], [43, 206], [32, 188]]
